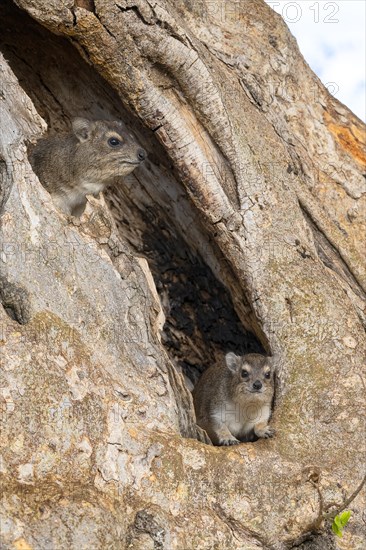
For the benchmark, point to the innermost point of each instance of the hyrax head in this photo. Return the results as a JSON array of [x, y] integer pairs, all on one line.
[[252, 373], [106, 149]]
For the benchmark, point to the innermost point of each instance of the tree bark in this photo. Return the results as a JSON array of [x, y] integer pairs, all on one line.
[[250, 212]]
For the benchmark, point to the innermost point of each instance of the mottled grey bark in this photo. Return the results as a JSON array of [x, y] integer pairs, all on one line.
[[255, 170]]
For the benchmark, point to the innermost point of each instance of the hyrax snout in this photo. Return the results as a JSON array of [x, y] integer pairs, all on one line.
[[93, 156]]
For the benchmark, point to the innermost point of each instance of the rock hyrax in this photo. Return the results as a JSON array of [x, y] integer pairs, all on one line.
[[233, 400], [85, 161]]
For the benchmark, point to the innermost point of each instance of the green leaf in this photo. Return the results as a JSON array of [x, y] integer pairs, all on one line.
[[336, 530], [337, 521], [340, 522], [344, 517]]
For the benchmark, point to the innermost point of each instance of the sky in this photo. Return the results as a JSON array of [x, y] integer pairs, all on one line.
[[331, 37]]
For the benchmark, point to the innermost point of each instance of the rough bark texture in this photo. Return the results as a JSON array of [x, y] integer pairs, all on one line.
[[250, 215]]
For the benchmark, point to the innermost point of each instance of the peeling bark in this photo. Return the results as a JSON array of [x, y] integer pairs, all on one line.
[[254, 184]]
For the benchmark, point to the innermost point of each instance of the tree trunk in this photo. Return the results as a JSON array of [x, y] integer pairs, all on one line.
[[250, 214]]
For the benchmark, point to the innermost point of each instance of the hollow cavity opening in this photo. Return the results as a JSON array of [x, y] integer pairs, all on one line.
[[201, 322]]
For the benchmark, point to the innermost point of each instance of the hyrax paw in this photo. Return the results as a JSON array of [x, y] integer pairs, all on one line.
[[228, 442], [265, 433]]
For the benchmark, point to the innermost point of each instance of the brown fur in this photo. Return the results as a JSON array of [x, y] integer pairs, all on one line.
[[83, 162], [228, 406]]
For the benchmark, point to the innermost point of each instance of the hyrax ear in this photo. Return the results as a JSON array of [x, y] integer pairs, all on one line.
[[81, 128], [232, 361]]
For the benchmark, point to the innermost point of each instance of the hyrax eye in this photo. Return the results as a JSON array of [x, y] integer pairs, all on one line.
[[114, 142], [267, 375], [244, 373]]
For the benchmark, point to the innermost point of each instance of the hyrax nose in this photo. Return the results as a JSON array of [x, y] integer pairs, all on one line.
[[141, 154], [257, 385]]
